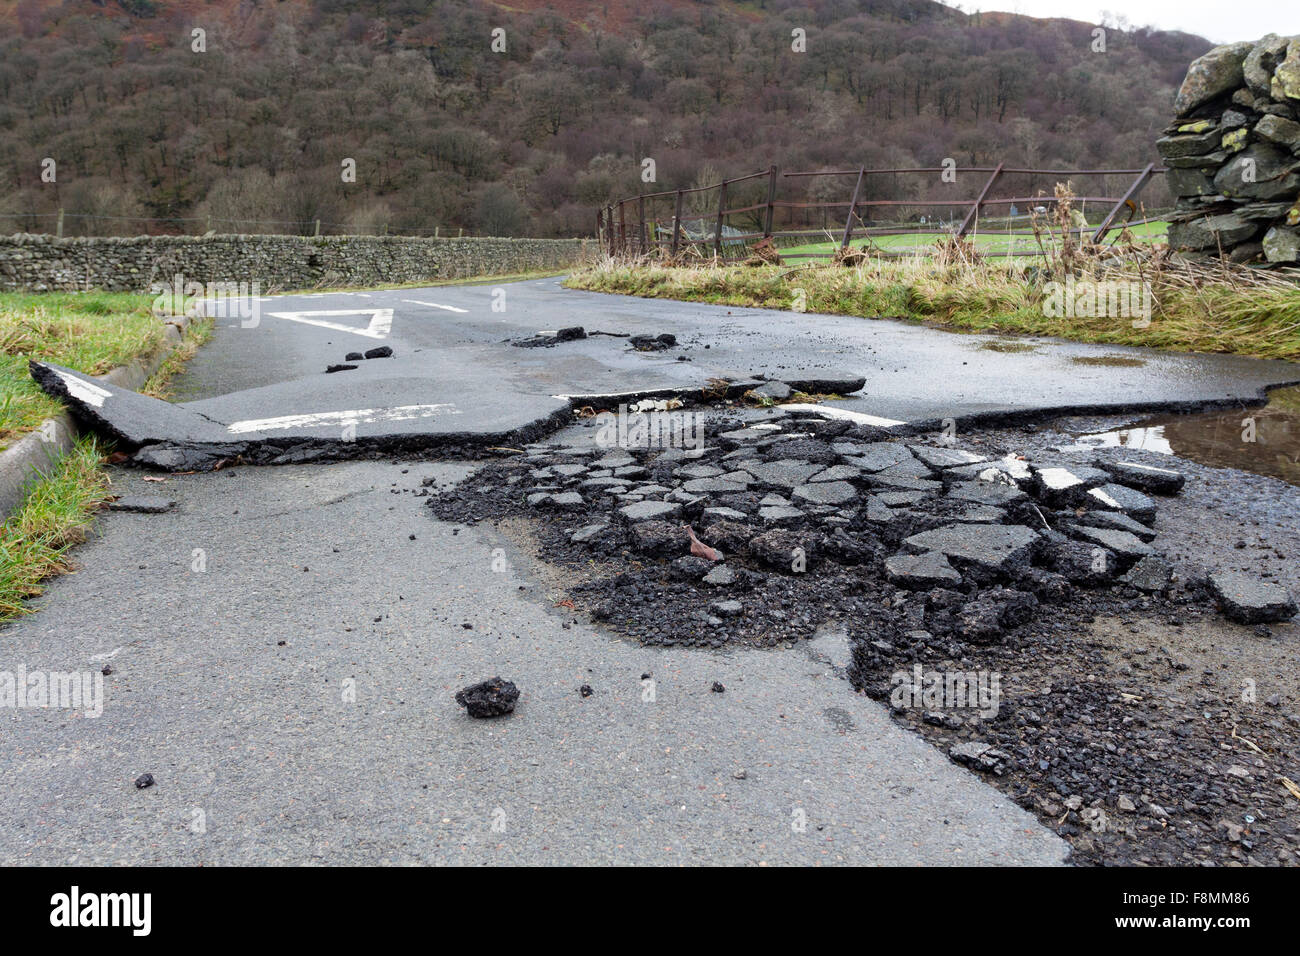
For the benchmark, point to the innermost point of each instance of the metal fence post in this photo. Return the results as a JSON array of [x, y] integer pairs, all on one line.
[[1126, 198], [640, 211], [771, 202], [853, 208], [722, 210], [677, 222], [975, 209]]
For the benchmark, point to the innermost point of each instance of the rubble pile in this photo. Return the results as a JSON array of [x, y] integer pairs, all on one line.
[[1233, 153], [720, 545], [934, 560]]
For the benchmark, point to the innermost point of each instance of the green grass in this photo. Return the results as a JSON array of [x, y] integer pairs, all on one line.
[[53, 517], [91, 332], [989, 242], [1195, 310]]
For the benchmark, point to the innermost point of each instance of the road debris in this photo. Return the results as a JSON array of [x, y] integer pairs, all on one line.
[[493, 697]]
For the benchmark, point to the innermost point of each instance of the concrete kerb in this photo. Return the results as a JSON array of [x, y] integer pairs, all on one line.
[[36, 454]]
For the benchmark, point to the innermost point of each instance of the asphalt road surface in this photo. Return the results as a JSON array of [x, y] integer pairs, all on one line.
[[285, 653], [262, 389]]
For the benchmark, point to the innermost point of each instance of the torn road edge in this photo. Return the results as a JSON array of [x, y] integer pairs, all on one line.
[[35, 455]]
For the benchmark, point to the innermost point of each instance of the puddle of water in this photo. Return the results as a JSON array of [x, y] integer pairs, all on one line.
[[1008, 347], [1122, 361], [1221, 438]]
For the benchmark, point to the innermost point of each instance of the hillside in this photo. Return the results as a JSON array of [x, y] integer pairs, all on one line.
[[448, 134]]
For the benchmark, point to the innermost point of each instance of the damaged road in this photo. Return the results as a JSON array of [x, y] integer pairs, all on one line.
[[448, 376], [286, 644]]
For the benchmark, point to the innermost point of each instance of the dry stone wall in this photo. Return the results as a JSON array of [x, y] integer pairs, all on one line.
[[1233, 153], [43, 263]]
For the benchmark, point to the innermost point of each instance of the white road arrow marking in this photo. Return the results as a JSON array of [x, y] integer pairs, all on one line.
[[381, 321], [435, 305], [359, 416]]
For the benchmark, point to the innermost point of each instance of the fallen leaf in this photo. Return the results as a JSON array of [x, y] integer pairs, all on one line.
[[699, 548]]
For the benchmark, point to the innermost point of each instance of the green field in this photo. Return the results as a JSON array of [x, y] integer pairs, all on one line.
[[988, 242]]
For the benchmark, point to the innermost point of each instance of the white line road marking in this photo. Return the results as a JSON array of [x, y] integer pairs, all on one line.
[[829, 411], [84, 391], [381, 321], [359, 416], [435, 305]]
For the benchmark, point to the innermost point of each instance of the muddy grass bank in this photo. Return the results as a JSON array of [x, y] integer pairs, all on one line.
[[1118, 718]]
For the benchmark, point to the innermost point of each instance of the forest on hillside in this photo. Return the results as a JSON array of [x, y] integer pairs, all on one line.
[[252, 133]]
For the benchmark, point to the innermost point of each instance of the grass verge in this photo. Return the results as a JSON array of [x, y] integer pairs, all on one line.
[[54, 517], [91, 332], [1193, 308], [197, 332]]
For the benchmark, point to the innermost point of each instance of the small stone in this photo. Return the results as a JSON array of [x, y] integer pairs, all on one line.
[[379, 351], [585, 690], [144, 781], [720, 577], [717, 688], [729, 608]]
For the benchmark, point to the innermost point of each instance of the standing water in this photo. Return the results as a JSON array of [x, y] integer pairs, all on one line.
[[1264, 440]]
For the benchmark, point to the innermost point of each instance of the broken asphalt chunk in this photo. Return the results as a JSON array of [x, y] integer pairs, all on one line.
[[920, 572], [1248, 600], [491, 698], [143, 504], [1148, 478], [1123, 498], [991, 548]]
